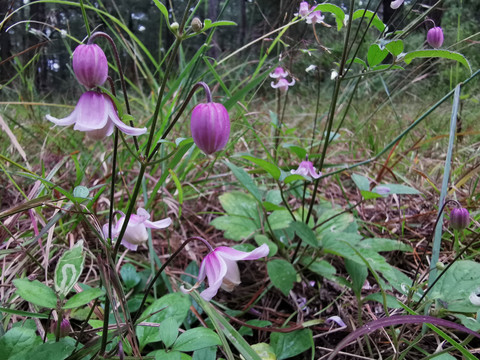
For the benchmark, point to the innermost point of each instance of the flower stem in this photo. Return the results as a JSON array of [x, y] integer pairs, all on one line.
[[120, 72]]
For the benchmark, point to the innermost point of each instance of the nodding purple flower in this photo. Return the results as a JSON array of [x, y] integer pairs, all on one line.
[[435, 37], [90, 65], [221, 269], [279, 72], [459, 218], [136, 232], [282, 84], [306, 168], [336, 319], [381, 190], [65, 327], [303, 9], [315, 17], [396, 4], [96, 115], [210, 126]]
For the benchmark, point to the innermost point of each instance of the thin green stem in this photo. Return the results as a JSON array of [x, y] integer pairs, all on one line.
[[85, 19]]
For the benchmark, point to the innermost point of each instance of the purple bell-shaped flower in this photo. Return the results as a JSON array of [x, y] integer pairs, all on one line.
[[90, 65], [435, 37], [210, 126]]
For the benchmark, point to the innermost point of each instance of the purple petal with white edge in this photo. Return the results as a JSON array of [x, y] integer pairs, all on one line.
[[91, 112], [396, 4], [69, 120], [129, 246], [273, 85], [337, 319], [216, 269], [143, 213], [113, 116], [160, 224], [236, 255]]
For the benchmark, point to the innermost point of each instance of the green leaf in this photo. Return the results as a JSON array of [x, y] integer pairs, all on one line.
[[236, 228], [457, 284], [358, 273], [392, 302], [163, 10], [168, 331], [382, 244], [376, 55], [361, 181], [17, 342], [195, 339], [208, 353], [293, 177], [36, 293], [175, 306], [320, 267], [208, 24], [83, 298], [395, 47], [81, 192], [272, 169], [288, 345], [282, 274], [130, 276], [265, 351], [24, 313], [335, 10], [400, 189], [297, 150], [69, 268], [170, 355], [245, 180], [280, 219], [435, 53], [246, 331], [369, 14], [305, 233], [51, 351]]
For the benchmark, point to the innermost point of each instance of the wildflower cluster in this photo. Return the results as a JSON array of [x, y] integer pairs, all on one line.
[[282, 83], [307, 12]]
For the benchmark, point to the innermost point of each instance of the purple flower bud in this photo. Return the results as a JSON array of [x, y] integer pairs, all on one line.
[[210, 126], [459, 218], [303, 9], [90, 65], [65, 327], [435, 37]]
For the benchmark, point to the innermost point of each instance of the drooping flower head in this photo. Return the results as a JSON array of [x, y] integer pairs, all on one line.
[[90, 65], [282, 84], [210, 126], [303, 9], [136, 232], [279, 72], [221, 269], [306, 168], [96, 115], [315, 17], [396, 4], [459, 218], [435, 37]]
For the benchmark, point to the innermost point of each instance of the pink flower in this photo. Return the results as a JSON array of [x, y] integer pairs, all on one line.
[[210, 126], [306, 169], [396, 4], [459, 218], [136, 232], [96, 115], [282, 84], [315, 17], [303, 9], [221, 269], [278, 73], [435, 37], [90, 65]]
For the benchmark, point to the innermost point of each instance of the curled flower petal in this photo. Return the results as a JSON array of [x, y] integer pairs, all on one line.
[[337, 319], [315, 17], [136, 232], [396, 4], [306, 168], [282, 84], [96, 115], [279, 72], [221, 269]]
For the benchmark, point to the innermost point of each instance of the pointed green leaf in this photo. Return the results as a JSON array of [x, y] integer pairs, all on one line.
[[376, 55], [369, 14], [83, 298], [436, 53], [282, 274], [69, 268], [36, 293], [272, 169], [335, 10]]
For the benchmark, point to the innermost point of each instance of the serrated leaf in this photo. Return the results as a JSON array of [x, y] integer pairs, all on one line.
[[69, 268], [436, 53], [282, 274], [195, 339], [36, 293], [83, 298]]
